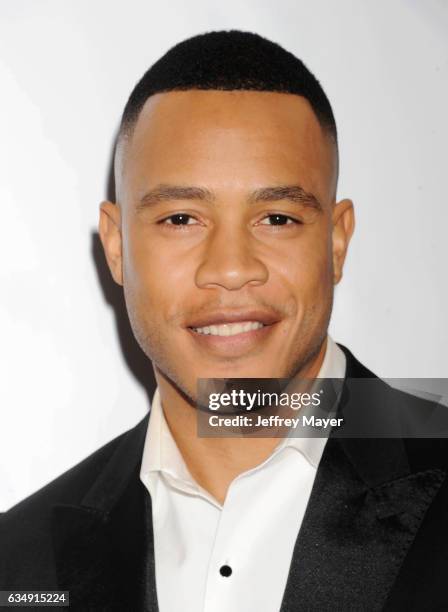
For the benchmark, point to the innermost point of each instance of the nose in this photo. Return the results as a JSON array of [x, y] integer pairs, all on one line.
[[229, 261]]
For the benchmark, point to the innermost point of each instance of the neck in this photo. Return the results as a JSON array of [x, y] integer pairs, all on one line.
[[215, 462]]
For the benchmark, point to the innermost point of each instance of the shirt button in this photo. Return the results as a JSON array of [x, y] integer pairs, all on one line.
[[225, 570]]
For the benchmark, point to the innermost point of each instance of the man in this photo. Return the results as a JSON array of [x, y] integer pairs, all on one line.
[[228, 240]]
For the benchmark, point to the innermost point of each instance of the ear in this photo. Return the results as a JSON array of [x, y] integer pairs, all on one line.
[[343, 227], [109, 228]]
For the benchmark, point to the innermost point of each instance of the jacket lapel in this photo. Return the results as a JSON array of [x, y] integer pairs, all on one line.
[[354, 537], [104, 550], [364, 511]]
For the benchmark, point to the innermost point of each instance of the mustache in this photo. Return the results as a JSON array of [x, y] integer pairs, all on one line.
[[278, 311]]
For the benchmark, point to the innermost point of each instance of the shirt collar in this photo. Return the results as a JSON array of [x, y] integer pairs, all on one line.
[[333, 366], [161, 454]]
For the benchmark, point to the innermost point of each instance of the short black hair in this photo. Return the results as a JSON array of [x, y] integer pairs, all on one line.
[[229, 60]]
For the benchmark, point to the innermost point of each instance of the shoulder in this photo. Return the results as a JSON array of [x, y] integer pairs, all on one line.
[[25, 529], [68, 488], [421, 423]]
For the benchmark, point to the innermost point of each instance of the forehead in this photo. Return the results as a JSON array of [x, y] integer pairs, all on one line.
[[227, 140]]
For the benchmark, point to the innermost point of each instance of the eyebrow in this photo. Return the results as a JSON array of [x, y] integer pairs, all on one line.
[[293, 193], [164, 193]]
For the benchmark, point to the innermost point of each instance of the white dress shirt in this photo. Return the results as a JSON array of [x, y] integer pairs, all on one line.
[[253, 533]]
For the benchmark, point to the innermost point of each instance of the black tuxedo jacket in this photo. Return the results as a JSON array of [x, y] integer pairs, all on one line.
[[374, 536]]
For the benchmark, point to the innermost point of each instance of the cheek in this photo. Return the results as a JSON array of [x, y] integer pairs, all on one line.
[[155, 278], [307, 270]]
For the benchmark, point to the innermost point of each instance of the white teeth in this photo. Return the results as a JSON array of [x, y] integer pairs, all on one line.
[[229, 329]]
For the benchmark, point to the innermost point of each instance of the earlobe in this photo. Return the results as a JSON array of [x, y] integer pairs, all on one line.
[[109, 228], [343, 227]]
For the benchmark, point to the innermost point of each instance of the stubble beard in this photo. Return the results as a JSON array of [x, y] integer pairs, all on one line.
[[152, 342]]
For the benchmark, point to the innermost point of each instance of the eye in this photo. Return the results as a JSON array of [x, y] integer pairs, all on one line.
[[179, 219], [277, 219]]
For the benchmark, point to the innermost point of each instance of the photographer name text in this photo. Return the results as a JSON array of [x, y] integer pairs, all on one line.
[[274, 421]]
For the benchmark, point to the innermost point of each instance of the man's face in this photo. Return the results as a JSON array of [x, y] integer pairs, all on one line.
[[226, 237]]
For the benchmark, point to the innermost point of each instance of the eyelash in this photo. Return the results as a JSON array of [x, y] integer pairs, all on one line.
[[283, 216], [164, 221], [182, 225]]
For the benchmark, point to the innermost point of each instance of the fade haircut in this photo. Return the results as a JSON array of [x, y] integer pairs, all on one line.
[[226, 61]]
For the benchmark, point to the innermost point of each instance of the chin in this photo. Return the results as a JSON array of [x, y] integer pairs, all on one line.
[[232, 370]]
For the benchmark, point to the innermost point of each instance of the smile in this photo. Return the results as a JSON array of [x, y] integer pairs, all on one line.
[[232, 332], [229, 329]]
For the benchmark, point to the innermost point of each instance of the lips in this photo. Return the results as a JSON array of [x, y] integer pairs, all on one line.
[[230, 317], [232, 330], [229, 329], [232, 333]]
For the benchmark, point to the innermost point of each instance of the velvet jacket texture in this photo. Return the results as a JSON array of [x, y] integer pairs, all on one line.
[[374, 536]]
